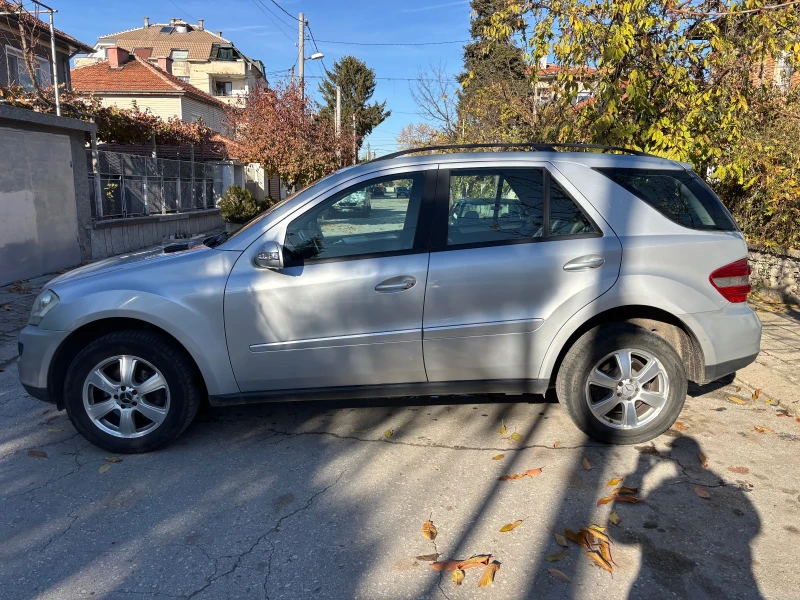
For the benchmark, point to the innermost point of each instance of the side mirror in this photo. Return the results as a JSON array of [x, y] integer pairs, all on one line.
[[270, 256]]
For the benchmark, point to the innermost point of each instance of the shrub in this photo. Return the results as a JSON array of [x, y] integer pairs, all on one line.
[[238, 205]]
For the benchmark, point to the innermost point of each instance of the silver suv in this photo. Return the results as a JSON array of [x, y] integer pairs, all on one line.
[[612, 277]]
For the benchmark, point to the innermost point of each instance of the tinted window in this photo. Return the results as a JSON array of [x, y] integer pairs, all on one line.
[[490, 205], [373, 217], [681, 196], [565, 217]]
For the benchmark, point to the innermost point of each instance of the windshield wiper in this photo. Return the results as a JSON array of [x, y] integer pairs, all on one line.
[[216, 240]]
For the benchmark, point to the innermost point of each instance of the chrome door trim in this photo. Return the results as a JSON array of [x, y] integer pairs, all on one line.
[[381, 337], [482, 329]]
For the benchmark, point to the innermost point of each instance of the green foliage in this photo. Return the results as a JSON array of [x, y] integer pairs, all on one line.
[[238, 205]]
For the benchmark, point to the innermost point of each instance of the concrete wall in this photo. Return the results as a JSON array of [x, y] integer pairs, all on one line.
[[43, 167], [775, 273]]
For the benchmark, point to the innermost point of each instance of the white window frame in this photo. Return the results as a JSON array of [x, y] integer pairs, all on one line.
[[173, 57], [43, 74], [784, 70]]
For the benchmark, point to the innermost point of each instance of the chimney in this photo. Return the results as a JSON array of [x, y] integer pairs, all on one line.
[[219, 33], [165, 64], [147, 22], [200, 24], [143, 53], [117, 57]]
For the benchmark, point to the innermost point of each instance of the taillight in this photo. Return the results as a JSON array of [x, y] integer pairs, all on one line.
[[732, 281]]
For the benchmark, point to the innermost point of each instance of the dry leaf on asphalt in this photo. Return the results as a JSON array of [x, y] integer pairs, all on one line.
[[511, 526], [784, 413], [528, 473], [628, 499], [595, 532], [54, 430], [614, 518], [429, 530], [428, 557], [797, 419], [613, 482], [605, 500], [739, 470], [37, 454], [679, 426], [388, 433], [764, 429], [586, 464], [451, 565], [499, 457], [703, 459], [702, 492], [579, 538], [560, 540], [487, 577], [502, 430], [738, 389], [599, 560], [770, 402], [736, 400], [113, 459], [103, 468], [560, 575], [556, 556], [360, 430], [605, 552], [556, 444], [756, 394], [515, 437], [624, 491], [458, 576]]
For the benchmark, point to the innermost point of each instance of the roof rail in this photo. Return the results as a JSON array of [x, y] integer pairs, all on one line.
[[536, 146]]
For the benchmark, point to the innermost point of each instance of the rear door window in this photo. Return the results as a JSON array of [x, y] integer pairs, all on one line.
[[679, 195]]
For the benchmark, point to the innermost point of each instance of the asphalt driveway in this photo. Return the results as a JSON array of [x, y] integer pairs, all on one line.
[[327, 500]]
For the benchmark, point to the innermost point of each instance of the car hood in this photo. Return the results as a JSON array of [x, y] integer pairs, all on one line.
[[131, 259]]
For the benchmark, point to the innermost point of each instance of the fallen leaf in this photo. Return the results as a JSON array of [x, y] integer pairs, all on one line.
[[579, 538], [428, 557], [603, 501], [37, 454], [511, 526], [605, 552], [516, 438], [702, 492], [560, 575], [556, 556], [736, 400], [502, 430], [784, 413], [528, 473], [534, 472], [560, 540], [764, 429], [739, 470], [770, 402], [54, 430], [445, 565], [113, 459], [487, 577], [499, 457], [457, 576], [586, 464], [556, 444], [623, 491], [756, 394], [703, 459], [103, 469], [597, 528], [614, 518], [797, 419], [628, 499], [738, 389], [613, 482], [388, 433], [475, 561], [360, 430], [600, 561], [429, 530], [679, 426], [593, 534]]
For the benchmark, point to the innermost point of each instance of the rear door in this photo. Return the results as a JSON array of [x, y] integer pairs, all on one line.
[[515, 252]]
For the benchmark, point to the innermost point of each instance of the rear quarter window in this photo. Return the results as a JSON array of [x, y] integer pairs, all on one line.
[[679, 195]]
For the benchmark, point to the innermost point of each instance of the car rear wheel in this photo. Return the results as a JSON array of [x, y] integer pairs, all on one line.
[[131, 391], [622, 384]]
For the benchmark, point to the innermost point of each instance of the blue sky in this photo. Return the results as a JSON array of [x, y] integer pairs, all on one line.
[[266, 37]]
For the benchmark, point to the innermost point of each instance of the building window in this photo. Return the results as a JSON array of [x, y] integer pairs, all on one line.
[[784, 72], [223, 88], [180, 55], [184, 78], [226, 54], [18, 73]]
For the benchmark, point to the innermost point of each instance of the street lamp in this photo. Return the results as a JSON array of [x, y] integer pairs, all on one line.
[[315, 56]]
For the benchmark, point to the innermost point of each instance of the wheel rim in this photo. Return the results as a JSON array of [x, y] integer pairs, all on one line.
[[126, 396], [627, 389]]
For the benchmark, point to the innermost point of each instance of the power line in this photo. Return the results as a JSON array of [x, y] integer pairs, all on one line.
[[284, 10], [289, 25], [388, 78], [313, 41], [395, 44], [183, 11], [266, 14]]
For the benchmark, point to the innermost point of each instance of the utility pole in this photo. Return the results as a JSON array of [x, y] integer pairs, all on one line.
[[338, 111], [301, 56], [355, 150]]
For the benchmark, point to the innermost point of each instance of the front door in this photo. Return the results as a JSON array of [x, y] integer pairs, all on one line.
[[514, 255], [346, 310]]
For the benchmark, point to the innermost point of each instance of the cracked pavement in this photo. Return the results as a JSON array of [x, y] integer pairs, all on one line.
[[312, 500]]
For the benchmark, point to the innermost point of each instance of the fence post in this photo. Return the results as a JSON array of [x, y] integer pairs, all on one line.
[[98, 200], [191, 157]]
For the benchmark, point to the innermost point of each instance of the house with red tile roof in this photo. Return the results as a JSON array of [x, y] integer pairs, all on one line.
[[128, 80]]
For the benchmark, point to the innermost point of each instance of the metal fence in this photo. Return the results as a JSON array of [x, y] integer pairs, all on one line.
[[126, 185]]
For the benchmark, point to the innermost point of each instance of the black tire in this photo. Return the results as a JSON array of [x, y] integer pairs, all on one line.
[[590, 349], [161, 352]]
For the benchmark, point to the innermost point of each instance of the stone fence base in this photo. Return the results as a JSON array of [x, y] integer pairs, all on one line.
[[117, 236], [775, 273]]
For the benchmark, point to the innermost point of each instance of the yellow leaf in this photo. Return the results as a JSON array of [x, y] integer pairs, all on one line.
[[388, 433], [487, 577], [614, 482], [764, 429], [511, 526], [605, 500], [586, 464], [756, 394], [600, 561], [429, 530], [517, 438], [360, 430], [458, 576], [703, 459], [614, 518], [502, 429], [103, 469], [560, 540], [770, 402], [113, 459], [560, 575], [556, 556], [499, 457], [736, 400]]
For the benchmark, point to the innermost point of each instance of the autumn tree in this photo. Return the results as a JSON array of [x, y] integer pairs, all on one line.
[[417, 135], [278, 129], [357, 82]]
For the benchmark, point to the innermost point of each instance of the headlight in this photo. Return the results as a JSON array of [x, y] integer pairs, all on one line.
[[43, 304]]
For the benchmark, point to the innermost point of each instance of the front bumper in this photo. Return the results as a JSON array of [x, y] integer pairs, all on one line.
[[38, 346]]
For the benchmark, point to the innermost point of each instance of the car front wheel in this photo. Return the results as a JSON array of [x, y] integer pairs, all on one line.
[[131, 391], [622, 384]]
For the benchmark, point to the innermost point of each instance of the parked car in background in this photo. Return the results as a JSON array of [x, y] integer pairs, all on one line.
[[359, 202], [500, 273], [377, 191], [401, 191]]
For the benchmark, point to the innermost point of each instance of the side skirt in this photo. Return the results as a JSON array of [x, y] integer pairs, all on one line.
[[396, 390]]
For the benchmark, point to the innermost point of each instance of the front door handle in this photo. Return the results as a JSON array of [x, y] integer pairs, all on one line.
[[396, 284], [584, 263]]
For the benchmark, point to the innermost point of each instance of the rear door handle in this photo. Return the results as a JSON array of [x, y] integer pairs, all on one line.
[[584, 263], [396, 284]]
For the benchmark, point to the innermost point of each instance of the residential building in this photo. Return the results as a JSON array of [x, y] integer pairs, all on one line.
[[201, 58], [548, 80], [12, 66], [130, 80], [779, 72]]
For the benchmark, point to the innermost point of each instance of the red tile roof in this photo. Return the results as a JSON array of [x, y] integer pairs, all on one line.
[[63, 37], [135, 75]]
